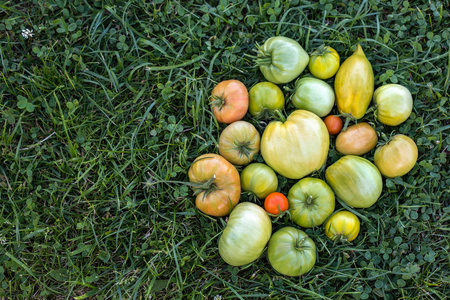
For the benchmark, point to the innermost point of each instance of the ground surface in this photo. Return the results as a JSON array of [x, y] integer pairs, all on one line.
[[107, 100]]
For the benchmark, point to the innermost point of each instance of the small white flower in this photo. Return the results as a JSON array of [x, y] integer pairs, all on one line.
[[26, 33]]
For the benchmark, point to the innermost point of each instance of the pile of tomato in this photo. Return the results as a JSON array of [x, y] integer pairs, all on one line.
[[295, 147]]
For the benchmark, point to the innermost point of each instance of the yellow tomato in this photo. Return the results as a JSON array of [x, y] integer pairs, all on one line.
[[342, 225], [354, 84], [324, 62], [397, 157]]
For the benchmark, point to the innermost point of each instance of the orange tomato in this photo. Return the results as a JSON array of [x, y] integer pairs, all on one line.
[[229, 100], [216, 183], [334, 124]]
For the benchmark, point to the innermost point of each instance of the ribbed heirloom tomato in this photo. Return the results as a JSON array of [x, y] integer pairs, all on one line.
[[239, 142], [281, 59], [291, 252], [216, 184], [311, 201], [276, 203]]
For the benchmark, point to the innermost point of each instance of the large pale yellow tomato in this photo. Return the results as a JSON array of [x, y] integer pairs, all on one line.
[[342, 225], [397, 157], [296, 147], [354, 84], [324, 62]]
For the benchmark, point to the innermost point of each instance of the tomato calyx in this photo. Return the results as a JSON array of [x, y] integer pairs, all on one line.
[[299, 245], [263, 58], [207, 187], [244, 148], [386, 140], [218, 101], [321, 51]]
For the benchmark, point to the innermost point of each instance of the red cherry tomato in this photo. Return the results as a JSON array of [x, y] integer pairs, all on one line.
[[334, 124], [275, 203]]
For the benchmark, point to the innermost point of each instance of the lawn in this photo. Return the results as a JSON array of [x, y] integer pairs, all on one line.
[[104, 105]]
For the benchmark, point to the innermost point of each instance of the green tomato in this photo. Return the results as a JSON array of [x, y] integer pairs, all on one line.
[[394, 104], [259, 179], [291, 252], [314, 95], [265, 97], [355, 180], [247, 232], [311, 202], [281, 59], [296, 147]]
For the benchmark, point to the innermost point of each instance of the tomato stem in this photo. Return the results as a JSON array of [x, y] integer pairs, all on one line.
[[309, 201], [280, 115]]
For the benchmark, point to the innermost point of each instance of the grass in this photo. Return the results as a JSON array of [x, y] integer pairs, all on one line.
[[107, 104]]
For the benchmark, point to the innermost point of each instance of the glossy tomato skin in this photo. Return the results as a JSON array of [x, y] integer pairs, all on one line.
[[334, 124], [311, 202], [239, 142], [397, 157], [223, 175], [275, 203], [259, 179], [229, 100], [324, 62], [291, 252], [281, 59], [265, 97], [355, 180], [314, 95], [358, 139], [354, 84], [342, 225], [296, 147], [394, 104], [247, 232]]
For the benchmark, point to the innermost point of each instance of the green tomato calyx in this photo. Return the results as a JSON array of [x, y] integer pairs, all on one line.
[[263, 57], [218, 101], [299, 245], [207, 187], [321, 51], [244, 149]]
